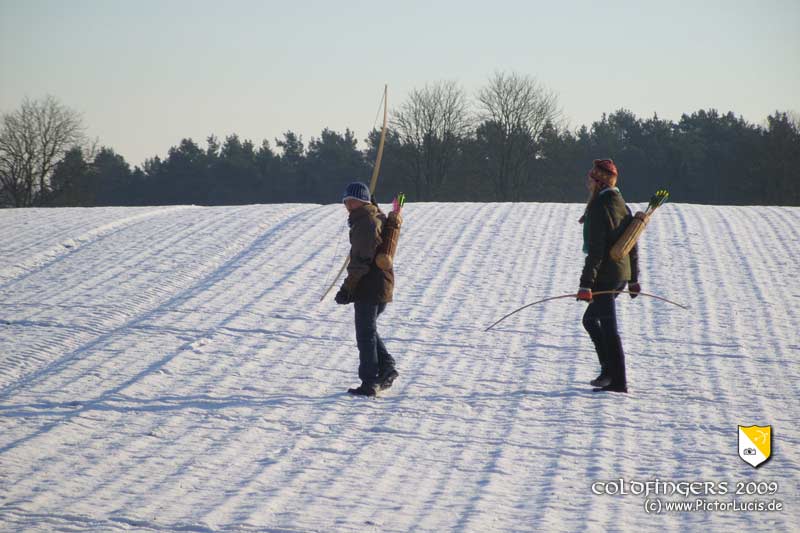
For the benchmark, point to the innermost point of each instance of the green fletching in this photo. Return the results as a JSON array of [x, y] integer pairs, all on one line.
[[657, 200], [398, 202]]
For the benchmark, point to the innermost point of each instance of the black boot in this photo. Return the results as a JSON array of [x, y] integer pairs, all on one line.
[[603, 380], [364, 390], [386, 378], [611, 388]]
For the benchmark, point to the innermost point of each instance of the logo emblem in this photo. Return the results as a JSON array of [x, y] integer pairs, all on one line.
[[755, 444]]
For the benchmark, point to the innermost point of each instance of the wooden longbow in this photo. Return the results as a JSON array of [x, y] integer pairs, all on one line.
[[575, 296], [373, 182]]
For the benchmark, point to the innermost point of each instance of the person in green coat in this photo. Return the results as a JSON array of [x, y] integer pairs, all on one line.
[[604, 220]]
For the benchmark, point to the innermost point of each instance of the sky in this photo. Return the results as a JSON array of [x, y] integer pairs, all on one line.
[[146, 74]]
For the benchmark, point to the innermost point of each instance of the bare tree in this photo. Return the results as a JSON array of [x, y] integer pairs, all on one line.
[[794, 118], [431, 122], [514, 112], [32, 140]]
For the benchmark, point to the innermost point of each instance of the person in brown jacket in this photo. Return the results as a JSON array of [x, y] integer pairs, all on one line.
[[369, 288]]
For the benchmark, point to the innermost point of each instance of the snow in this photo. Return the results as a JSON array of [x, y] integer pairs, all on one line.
[[172, 369]]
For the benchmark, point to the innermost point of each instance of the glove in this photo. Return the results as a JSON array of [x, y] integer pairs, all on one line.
[[343, 297], [634, 289], [584, 294]]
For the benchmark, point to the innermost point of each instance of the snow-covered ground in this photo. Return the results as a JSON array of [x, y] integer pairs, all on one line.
[[172, 369]]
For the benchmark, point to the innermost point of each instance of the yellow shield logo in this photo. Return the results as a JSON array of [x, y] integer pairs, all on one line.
[[755, 444]]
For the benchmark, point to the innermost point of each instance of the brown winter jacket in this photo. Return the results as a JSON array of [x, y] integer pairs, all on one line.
[[365, 281], [607, 217]]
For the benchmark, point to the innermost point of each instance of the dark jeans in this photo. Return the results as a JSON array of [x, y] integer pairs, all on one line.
[[600, 320], [374, 360]]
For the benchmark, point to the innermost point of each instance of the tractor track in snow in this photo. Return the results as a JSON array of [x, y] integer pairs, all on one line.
[[176, 371]]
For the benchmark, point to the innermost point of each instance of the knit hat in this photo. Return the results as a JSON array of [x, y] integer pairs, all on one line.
[[603, 171], [356, 191]]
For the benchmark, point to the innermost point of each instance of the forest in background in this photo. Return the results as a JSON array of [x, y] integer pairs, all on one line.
[[507, 143]]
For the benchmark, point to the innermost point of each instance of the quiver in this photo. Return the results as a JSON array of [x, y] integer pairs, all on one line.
[[628, 239], [390, 234]]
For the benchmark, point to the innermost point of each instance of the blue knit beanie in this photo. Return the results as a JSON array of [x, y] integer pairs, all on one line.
[[356, 191]]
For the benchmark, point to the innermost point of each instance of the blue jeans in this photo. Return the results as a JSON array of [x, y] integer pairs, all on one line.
[[600, 320], [374, 360]]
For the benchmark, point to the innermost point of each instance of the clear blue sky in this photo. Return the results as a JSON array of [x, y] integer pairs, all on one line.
[[147, 73]]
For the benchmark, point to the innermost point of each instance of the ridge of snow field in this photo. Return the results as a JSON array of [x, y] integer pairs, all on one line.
[[171, 368]]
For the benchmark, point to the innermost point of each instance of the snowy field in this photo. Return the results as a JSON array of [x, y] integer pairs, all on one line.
[[171, 369]]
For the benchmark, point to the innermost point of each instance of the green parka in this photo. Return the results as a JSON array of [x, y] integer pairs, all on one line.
[[365, 281], [606, 219]]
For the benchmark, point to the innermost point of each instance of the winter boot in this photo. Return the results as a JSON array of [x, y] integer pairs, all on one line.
[[611, 388], [364, 390], [601, 381], [386, 378]]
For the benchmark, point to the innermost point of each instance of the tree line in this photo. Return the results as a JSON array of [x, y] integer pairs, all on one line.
[[508, 143]]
